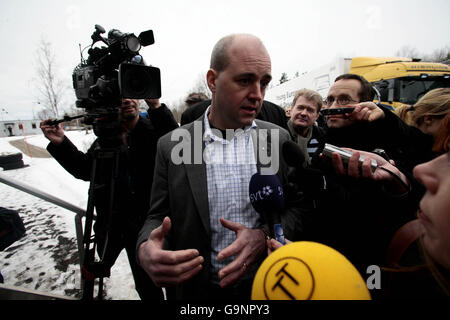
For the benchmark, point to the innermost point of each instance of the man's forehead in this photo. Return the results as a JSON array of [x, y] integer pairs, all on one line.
[[345, 86], [302, 100], [255, 66], [250, 55]]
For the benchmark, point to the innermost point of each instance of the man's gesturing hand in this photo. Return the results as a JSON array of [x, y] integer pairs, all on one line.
[[165, 267], [249, 245]]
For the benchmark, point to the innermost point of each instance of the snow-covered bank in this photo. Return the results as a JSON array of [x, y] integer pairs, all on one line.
[[46, 258]]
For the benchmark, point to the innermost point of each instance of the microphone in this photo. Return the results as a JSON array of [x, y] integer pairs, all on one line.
[[310, 180], [307, 270], [267, 198], [292, 154]]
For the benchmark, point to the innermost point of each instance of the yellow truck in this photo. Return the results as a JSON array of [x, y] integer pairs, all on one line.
[[399, 80]]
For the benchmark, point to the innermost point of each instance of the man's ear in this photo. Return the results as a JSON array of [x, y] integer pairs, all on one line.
[[211, 77]]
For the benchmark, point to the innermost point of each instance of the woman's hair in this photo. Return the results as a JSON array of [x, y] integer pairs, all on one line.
[[435, 103], [442, 138], [404, 112], [437, 271]]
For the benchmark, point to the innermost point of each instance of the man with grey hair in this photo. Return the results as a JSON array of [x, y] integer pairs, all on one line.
[[202, 238], [302, 124]]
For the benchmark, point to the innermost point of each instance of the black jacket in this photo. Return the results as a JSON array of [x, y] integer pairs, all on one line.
[[358, 217], [315, 143], [405, 144], [135, 170]]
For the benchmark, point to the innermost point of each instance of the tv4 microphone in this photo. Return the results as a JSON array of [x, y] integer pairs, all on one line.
[[308, 271], [267, 198]]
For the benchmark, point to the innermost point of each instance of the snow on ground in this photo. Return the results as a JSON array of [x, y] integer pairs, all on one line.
[[46, 258]]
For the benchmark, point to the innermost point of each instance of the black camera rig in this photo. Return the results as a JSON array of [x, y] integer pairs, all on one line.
[[115, 71], [111, 73]]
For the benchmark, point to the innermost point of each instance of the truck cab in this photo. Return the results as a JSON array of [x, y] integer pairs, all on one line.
[[401, 80]]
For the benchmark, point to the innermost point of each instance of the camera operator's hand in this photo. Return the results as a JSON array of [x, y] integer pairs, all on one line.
[[366, 172], [167, 267], [54, 133], [153, 103], [367, 111]]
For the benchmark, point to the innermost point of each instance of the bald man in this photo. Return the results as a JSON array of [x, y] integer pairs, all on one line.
[[202, 238]]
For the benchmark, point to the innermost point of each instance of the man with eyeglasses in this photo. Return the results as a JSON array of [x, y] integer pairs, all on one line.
[[351, 90], [370, 126], [355, 215], [302, 123]]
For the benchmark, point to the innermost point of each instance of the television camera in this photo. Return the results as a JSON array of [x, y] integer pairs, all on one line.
[[111, 73]]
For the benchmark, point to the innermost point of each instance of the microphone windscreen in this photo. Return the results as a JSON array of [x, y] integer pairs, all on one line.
[[308, 271], [114, 34], [292, 154], [266, 193]]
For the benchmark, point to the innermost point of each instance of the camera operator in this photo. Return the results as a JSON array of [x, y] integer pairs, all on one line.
[[131, 199]]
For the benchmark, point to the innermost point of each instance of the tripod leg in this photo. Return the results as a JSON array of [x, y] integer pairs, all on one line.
[[100, 289], [88, 277], [99, 269]]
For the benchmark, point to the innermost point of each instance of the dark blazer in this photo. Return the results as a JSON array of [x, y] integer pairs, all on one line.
[[270, 112], [180, 191]]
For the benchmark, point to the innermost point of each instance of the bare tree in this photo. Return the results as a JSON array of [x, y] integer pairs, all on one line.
[[177, 109], [45, 114], [284, 78], [201, 86], [407, 52], [51, 88], [438, 55]]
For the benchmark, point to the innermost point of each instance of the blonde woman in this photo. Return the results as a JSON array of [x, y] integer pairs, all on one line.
[[428, 112]]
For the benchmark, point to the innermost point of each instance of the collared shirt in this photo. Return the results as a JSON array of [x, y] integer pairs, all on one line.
[[230, 164]]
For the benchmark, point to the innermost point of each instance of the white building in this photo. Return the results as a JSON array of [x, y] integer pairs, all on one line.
[[10, 128]]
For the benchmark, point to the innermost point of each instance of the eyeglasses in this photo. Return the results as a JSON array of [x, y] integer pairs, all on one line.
[[341, 101]]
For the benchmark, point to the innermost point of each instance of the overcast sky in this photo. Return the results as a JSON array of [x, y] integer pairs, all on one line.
[[299, 35]]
